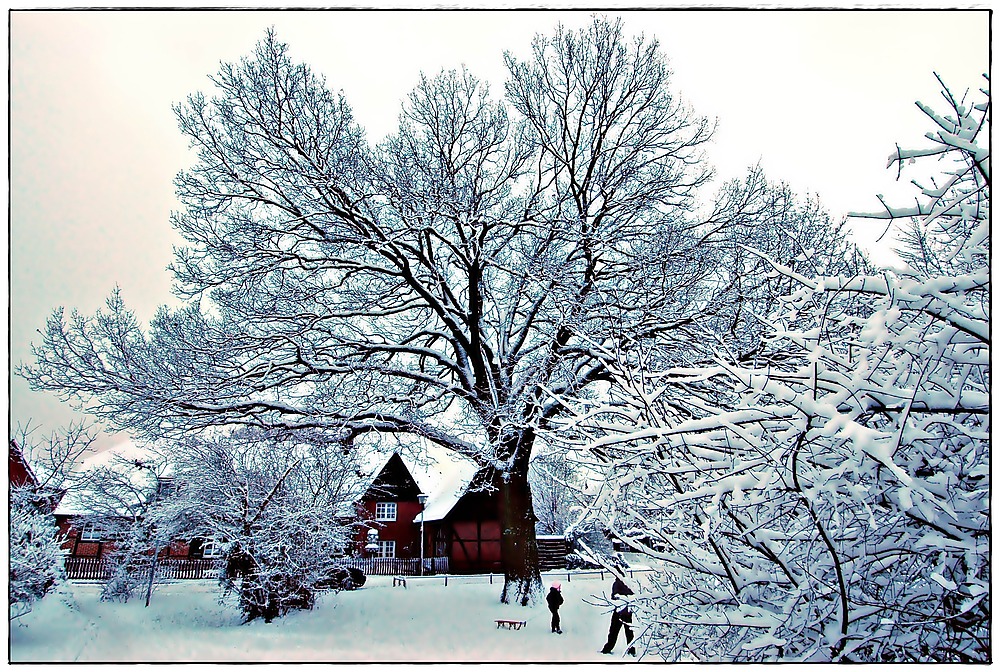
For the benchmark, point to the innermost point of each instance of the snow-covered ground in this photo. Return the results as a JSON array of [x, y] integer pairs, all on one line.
[[425, 621]]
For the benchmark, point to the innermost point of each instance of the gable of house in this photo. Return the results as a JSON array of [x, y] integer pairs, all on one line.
[[393, 482], [388, 507], [19, 473], [461, 519]]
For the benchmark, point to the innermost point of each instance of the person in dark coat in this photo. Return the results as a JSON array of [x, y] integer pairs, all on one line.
[[555, 598], [620, 617]]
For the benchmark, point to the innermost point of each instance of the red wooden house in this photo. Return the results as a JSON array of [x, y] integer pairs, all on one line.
[[89, 534], [446, 496], [460, 513]]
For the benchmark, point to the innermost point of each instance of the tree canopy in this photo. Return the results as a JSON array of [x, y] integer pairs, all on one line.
[[450, 282]]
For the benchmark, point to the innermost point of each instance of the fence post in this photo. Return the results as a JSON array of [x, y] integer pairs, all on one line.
[[446, 580], [491, 578]]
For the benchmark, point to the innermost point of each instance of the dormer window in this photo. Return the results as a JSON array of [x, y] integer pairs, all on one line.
[[385, 511]]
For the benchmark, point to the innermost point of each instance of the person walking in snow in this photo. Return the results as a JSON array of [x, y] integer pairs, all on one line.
[[555, 598], [620, 617]]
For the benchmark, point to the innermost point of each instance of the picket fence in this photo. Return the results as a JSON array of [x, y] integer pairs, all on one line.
[[397, 566], [96, 569], [170, 568]]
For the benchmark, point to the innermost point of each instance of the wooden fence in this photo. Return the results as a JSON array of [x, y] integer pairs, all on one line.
[[169, 568], [86, 568], [189, 569], [397, 566], [185, 568], [552, 550]]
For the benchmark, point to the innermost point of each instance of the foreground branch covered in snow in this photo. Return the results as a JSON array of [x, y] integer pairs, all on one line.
[[827, 499]]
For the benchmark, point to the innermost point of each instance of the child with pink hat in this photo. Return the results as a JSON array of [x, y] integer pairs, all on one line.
[[555, 598]]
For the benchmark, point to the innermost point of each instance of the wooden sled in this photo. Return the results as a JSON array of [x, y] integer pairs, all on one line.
[[510, 625]]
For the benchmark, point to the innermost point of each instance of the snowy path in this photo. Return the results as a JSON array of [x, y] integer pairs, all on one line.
[[425, 621]]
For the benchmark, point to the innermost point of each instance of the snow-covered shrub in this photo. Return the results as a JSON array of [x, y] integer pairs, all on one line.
[[120, 494], [276, 506], [34, 553], [122, 582], [826, 499], [131, 560]]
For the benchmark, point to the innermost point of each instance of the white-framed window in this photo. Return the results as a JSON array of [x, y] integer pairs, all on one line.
[[211, 548], [385, 511], [387, 549], [91, 531]]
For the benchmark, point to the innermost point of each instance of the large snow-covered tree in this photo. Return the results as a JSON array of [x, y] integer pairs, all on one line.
[[444, 283], [827, 498]]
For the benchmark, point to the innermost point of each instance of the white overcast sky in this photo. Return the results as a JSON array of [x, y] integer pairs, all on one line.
[[818, 97]]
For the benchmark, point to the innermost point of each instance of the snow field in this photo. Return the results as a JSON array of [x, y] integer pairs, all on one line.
[[423, 622]]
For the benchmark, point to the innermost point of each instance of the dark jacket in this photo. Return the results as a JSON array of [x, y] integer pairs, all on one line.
[[554, 598], [619, 589]]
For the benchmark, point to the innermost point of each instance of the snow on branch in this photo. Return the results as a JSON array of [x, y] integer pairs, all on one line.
[[826, 498]]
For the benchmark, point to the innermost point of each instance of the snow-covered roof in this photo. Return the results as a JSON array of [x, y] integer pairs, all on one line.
[[442, 474], [122, 457]]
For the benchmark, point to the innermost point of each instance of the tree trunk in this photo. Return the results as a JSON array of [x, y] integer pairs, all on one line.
[[518, 546], [152, 573]]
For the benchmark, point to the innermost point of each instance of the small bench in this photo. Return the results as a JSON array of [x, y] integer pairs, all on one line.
[[398, 581], [510, 625]]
